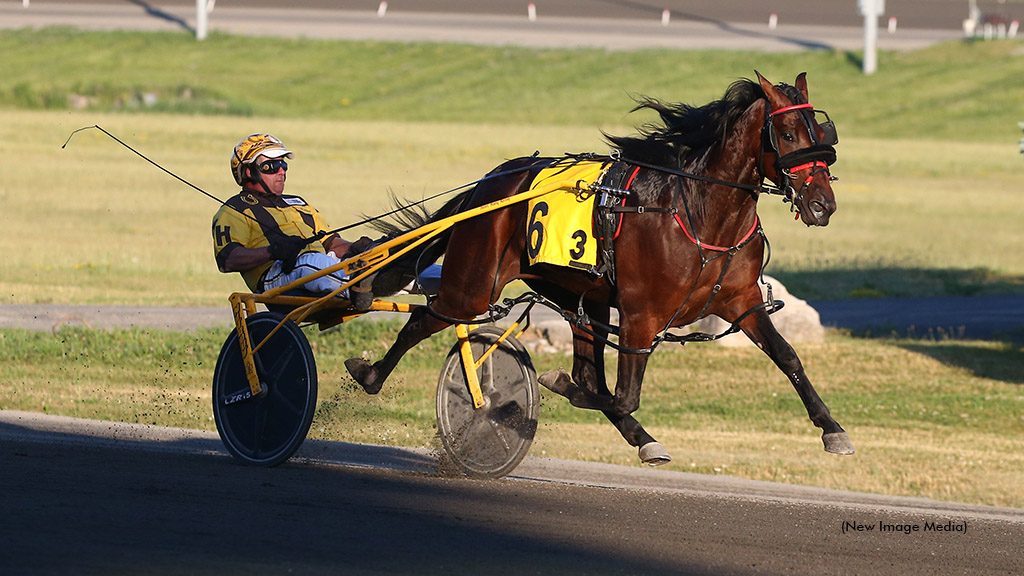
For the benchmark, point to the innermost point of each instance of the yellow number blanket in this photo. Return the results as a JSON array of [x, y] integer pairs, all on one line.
[[560, 224]]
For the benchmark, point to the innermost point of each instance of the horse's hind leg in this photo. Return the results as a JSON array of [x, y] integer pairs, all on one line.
[[759, 328], [419, 327]]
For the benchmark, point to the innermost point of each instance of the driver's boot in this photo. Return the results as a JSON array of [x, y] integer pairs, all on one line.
[[361, 294]]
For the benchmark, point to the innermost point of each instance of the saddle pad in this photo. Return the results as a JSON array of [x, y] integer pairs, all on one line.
[[560, 226]]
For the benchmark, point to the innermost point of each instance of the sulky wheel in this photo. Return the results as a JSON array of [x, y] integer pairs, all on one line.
[[490, 441], [265, 430]]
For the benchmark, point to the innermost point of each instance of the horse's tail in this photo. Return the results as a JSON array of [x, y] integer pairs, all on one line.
[[407, 217]]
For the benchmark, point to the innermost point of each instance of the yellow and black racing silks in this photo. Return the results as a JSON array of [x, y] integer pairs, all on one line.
[[251, 219]]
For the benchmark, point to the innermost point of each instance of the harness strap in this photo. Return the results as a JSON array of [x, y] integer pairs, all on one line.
[[614, 185], [771, 307], [746, 238], [621, 207], [638, 210]]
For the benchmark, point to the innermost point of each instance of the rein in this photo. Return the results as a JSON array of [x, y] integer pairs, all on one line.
[[700, 178]]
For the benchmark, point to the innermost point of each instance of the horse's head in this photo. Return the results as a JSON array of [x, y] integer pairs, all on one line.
[[797, 145]]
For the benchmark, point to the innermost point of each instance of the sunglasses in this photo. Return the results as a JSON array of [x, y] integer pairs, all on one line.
[[272, 166]]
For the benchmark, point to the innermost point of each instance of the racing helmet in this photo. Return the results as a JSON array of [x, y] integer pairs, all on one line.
[[251, 147]]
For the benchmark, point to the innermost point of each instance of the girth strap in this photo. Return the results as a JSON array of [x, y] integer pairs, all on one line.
[[615, 186]]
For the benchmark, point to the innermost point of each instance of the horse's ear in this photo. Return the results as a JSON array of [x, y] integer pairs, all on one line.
[[801, 85], [771, 92]]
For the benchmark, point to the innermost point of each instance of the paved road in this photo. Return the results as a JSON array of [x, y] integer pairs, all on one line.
[[957, 317], [84, 497], [910, 14], [975, 318], [610, 24]]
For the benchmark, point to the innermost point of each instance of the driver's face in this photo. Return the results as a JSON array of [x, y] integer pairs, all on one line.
[[274, 181]]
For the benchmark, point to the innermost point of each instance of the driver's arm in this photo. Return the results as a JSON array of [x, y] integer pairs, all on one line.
[[242, 259], [339, 246]]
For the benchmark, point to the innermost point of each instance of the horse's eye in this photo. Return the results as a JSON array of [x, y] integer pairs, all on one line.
[[788, 137]]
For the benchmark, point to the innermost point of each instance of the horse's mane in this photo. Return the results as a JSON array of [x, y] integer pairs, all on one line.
[[686, 129]]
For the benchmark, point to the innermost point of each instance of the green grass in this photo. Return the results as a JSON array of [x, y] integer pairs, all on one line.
[[940, 419], [961, 91]]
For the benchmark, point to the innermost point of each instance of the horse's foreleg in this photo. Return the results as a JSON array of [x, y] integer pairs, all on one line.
[[761, 331], [371, 377], [588, 370]]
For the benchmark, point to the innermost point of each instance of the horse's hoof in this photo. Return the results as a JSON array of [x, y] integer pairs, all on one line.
[[558, 381], [654, 454], [361, 370], [837, 443]]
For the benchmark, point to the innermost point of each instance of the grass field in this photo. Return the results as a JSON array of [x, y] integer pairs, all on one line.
[[954, 92], [915, 217], [928, 197], [941, 419], [929, 204]]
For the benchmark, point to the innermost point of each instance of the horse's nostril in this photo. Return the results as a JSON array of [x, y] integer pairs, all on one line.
[[818, 209]]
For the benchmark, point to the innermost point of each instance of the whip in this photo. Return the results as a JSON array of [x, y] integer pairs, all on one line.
[[225, 204]]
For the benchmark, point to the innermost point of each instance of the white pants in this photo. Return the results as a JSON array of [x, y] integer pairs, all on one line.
[[306, 264]]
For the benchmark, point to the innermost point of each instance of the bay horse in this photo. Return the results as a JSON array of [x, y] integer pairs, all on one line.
[[689, 245]]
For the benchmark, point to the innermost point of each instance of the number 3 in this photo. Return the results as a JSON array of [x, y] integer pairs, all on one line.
[[581, 240]]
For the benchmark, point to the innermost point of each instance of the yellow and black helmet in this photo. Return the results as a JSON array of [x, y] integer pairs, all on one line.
[[251, 147]]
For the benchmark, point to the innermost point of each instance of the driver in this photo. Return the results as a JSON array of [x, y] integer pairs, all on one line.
[[272, 238]]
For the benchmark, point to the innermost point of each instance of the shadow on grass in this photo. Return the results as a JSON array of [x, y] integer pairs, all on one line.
[[1005, 363]]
